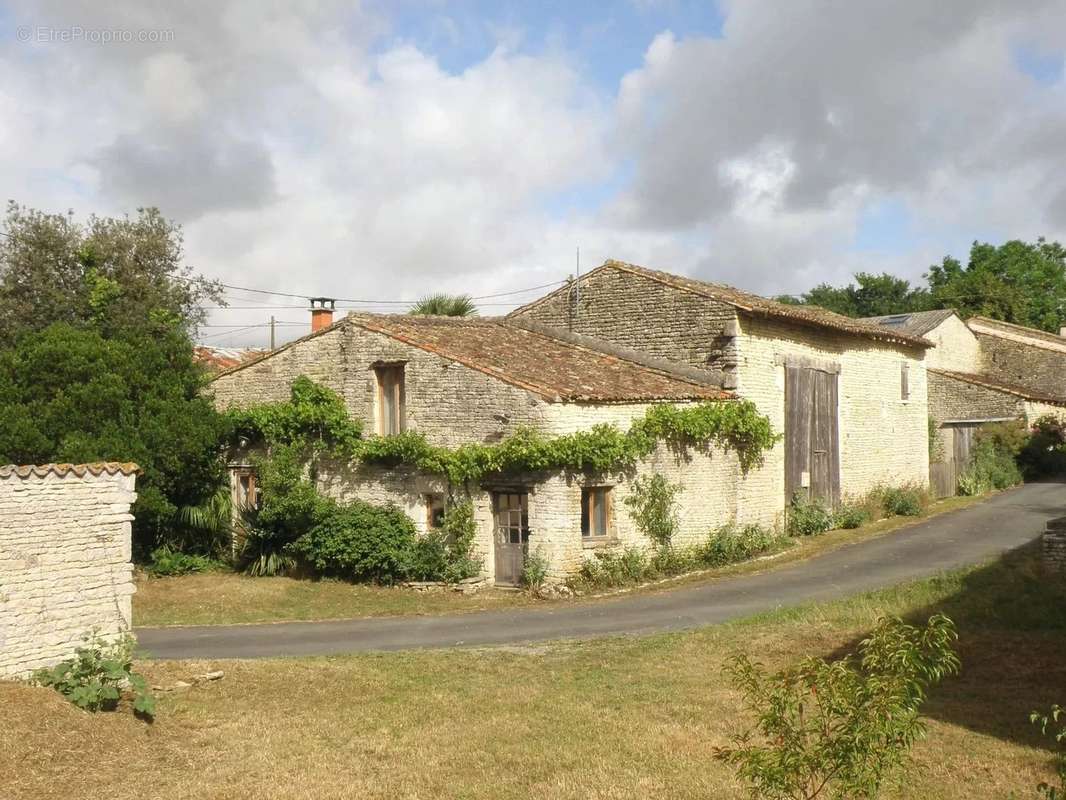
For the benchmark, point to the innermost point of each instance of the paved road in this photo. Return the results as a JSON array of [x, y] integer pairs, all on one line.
[[944, 542]]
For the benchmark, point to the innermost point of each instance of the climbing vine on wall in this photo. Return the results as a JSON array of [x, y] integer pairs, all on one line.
[[315, 418]]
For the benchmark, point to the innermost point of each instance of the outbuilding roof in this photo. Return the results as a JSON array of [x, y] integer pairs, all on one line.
[[809, 316], [915, 323], [998, 385], [220, 358], [1009, 330], [557, 368]]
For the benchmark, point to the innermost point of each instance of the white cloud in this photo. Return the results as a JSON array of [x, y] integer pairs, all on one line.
[[302, 150]]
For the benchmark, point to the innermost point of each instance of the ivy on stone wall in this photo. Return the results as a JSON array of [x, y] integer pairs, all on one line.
[[315, 418]]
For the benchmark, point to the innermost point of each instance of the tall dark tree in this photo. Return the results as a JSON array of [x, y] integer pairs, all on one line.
[[96, 358], [1019, 282]]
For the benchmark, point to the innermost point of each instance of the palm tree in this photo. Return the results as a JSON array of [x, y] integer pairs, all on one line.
[[444, 305]]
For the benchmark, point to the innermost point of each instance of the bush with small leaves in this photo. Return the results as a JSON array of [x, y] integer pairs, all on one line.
[[808, 517], [905, 501], [839, 728], [534, 571], [850, 516], [97, 675]]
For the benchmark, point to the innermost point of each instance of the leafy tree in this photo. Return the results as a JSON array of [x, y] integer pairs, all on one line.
[[839, 728], [445, 305], [871, 296], [1016, 282], [72, 394], [111, 273]]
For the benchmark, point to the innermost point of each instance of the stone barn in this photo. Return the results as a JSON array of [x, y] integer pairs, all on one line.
[[460, 381], [849, 396], [983, 371]]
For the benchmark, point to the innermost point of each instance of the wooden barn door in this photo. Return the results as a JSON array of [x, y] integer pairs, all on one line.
[[812, 455]]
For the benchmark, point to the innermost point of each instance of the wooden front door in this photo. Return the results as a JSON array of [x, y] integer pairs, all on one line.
[[511, 513], [812, 454]]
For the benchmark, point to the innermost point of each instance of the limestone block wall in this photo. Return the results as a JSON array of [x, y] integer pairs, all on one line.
[[450, 403], [642, 314], [883, 437], [956, 347], [952, 399], [1040, 365], [65, 564], [1035, 410]]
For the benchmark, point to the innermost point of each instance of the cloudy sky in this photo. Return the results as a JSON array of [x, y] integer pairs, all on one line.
[[381, 151]]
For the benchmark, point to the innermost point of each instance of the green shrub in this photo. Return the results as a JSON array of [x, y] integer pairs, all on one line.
[[534, 571], [653, 507], [433, 558], [730, 545], [839, 729], [808, 517], [95, 677], [168, 563], [609, 568], [358, 541], [905, 501], [851, 516], [992, 464], [1045, 452]]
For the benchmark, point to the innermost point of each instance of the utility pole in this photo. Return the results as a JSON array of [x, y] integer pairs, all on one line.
[[271, 331], [577, 291]]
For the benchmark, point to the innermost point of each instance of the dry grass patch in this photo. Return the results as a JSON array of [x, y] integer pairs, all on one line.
[[618, 718], [229, 598]]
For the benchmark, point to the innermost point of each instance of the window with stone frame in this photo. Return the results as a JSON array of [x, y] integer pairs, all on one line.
[[597, 516], [391, 399], [435, 508]]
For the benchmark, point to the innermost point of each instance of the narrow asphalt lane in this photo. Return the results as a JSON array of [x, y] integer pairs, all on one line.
[[944, 542]]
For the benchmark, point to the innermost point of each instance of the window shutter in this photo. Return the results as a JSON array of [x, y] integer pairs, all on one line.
[[904, 382]]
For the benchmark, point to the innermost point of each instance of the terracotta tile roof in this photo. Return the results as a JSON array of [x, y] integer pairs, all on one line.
[[810, 316], [996, 384], [220, 358], [995, 327], [536, 361], [80, 470], [916, 323], [553, 367]]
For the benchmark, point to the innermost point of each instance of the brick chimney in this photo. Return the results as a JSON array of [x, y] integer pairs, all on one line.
[[321, 312]]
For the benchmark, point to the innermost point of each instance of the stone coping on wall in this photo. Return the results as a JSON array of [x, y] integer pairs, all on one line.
[[95, 469]]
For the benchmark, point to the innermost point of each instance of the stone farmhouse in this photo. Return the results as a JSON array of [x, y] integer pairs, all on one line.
[[459, 381], [849, 396], [983, 370]]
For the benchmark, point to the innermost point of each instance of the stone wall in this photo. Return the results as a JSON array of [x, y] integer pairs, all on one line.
[[1038, 365], [956, 348], [643, 314], [883, 438], [449, 402], [952, 399], [64, 560]]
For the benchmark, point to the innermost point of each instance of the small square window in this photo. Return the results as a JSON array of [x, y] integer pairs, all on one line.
[[596, 515], [434, 510]]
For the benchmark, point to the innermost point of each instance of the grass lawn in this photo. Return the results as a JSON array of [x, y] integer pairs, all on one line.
[[615, 718], [223, 597]]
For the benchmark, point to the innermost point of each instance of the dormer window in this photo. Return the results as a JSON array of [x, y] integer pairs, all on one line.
[[390, 399]]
